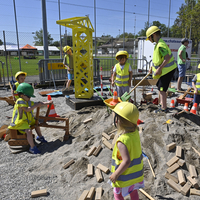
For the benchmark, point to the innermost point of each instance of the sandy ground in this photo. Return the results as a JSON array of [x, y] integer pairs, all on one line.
[[22, 173]]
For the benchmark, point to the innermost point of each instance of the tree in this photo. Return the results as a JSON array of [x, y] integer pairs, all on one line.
[[39, 38], [1, 42]]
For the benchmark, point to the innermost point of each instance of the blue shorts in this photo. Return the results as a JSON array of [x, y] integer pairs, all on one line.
[[182, 70], [69, 76]]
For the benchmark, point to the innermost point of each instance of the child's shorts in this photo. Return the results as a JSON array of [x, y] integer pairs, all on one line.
[[196, 98], [127, 190], [182, 70], [69, 76]]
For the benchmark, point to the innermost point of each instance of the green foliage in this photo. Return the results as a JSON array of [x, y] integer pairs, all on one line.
[[39, 38], [1, 42]]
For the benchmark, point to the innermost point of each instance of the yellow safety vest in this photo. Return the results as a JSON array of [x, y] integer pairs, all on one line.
[[27, 117], [198, 83], [66, 60], [158, 60], [134, 173], [15, 92], [122, 76]]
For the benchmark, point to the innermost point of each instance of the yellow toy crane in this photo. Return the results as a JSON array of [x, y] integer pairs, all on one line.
[[82, 54]]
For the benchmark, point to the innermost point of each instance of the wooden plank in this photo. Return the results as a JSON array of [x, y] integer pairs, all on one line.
[[174, 185], [98, 149], [90, 170], [192, 171], [112, 136], [98, 175], [146, 194], [193, 181], [87, 120], [179, 151], [90, 152], [172, 161], [103, 168], [105, 136], [169, 176], [181, 177], [98, 193], [185, 189], [181, 162], [173, 168], [107, 144], [185, 93], [196, 151], [112, 131], [68, 163], [169, 147], [194, 192], [91, 193], [84, 195], [39, 193]]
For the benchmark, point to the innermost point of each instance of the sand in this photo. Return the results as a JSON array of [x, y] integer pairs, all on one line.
[[22, 173]]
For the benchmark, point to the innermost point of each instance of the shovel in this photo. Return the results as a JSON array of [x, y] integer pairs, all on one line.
[[126, 96]]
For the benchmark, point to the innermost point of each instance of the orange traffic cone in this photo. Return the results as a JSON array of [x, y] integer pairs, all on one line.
[[52, 112], [172, 105], [115, 99], [185, 107], [194, 109]]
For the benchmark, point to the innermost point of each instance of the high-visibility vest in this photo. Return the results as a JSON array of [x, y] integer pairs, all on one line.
[[134, 173], [66, 60], [158, 60], [27, 117], [198, 83], [15, 92], [122, 76]]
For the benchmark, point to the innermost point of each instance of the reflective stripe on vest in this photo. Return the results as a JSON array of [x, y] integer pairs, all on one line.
[[158, 60], [122, 76], [135, 161]]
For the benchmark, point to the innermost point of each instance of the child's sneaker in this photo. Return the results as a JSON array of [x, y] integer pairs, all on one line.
[[41, 139], [34, 150]]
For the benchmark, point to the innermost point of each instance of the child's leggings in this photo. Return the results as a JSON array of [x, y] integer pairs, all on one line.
[[133, 195]]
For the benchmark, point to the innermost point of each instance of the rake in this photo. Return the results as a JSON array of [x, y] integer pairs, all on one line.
[[126, 96]]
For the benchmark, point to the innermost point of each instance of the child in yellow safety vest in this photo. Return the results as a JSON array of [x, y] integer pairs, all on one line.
[[23, 118], [196, 86], [122, 73], [20, 77], [127, 160]]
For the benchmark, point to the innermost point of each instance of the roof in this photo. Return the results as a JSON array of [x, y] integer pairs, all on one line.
[[15, 48], [50, 48], [28, 47]]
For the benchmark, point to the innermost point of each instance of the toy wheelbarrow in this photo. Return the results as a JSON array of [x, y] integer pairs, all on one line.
[[126, 96]]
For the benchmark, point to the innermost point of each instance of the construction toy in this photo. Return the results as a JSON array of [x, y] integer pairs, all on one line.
[[192, 171], [20, 140], [194, 109], [98, 149], [69, 163], [90, 152], [82, 54], [84, 195], [107, 144], [172, 161], [169, 176], [106, 136], [174, 185], [103, 168], [91, 193], [126, 96], [9, 100], [194, 192], [181, 177], [193, 181], [181, 162], [99, 175], [173, 168], [98, 193], [39, 193], [170, 146], [179, 151], [185, 189], [90, 170], [146, 194]]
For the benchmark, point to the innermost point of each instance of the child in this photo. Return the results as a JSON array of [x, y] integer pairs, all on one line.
[[23, 118], [163, 65], [122, 73], [69, 64], [20, 77], [127, 161], [196, 86]]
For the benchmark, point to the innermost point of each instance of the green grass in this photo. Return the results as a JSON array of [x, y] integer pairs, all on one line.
[[30, 66]]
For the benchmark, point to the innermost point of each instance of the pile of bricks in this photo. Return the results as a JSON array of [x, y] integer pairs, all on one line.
[[182, 185]]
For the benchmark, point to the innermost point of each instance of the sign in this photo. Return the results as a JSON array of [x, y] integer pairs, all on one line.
[[54, 66]]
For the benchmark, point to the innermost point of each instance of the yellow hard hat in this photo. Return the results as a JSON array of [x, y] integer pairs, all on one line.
[[120, 53], [66, 48], [151, 30], [19, 73], [199, 66], [128, 111]]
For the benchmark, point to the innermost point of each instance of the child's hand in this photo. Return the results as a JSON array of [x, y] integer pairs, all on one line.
[[113, 84], [150, 70], [113, 177]]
